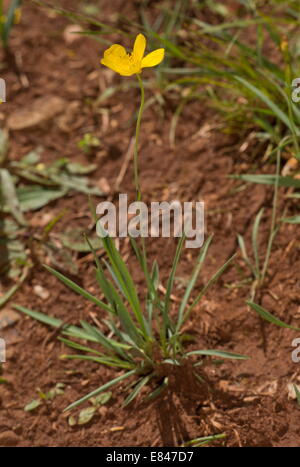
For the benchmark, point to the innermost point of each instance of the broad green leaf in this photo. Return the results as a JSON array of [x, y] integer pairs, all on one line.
[[32, 197], [32, 157], [32, 405], [86, 415], [74, 240], [10, 196], [79, 169], [102, 399]]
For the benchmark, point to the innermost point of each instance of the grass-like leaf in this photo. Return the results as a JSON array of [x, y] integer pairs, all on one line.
[[100, 389], [255, 241], [213, 279], [192, 281], [218, 353], [267, 316], [76, 288], [140, 384]]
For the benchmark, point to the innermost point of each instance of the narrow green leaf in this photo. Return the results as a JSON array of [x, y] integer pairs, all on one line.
[[76, 288], [100, 389], [43, 318], [154, 394], [218, 353], [269, 180], [197, 442], [292, 220], [83, 348], [266, 315], [245, 255], [136, 390], [166, 318], [110, 362], [213, 279], [67, 329], [192, 281], [255, 241], [274, 107]]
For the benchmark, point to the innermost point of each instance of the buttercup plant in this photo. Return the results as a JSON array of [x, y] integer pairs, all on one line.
[[145, 338], [117, 59]]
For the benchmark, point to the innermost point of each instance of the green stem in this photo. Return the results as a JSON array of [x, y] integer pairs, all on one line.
[[136, 165], [136, 144]]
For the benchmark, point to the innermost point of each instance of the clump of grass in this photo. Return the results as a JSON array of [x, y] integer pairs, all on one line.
[[146, 343]]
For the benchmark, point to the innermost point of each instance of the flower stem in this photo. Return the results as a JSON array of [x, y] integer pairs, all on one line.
[[136, 144]]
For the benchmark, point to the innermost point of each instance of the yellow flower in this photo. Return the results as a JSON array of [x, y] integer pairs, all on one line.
[[126, 64]]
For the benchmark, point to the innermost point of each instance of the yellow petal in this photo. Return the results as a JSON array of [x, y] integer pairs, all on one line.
[[116, 59], [123, 66], [113, 65], [127, 69], [116, 51], [139, 48], [153, 58]]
